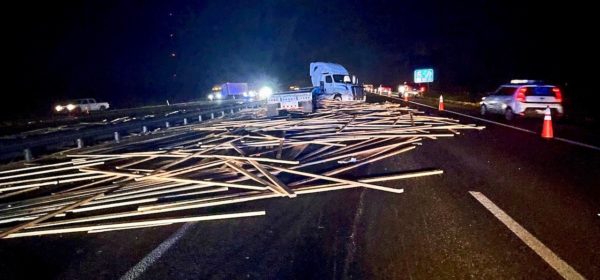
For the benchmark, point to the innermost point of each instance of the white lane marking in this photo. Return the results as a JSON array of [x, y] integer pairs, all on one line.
[[149, 259], [577, 143], [506, 125], [564, 269]]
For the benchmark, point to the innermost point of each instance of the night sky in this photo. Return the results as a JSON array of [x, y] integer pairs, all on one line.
[[138, 52]]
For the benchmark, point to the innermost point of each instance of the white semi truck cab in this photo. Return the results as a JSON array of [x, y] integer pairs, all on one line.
[[330, 81], [333, 82]]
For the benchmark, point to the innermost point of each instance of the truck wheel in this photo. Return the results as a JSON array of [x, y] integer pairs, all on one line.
[[102, 108], [337, 98]]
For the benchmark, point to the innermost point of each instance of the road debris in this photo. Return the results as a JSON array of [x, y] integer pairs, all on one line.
[[184, 171]]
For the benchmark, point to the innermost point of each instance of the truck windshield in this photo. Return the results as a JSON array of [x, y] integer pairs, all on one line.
[[340, 79]]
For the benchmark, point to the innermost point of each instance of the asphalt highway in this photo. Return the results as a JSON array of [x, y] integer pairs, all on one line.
[[442, 227]]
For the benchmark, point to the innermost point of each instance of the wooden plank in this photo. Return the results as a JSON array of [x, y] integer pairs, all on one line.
[[15, 229], [35, 167], [240, 169], [404, 175], [385, 153], [54, 170], [363, 151], [196, 156], [56, 182], [281, 187], [179, 161], [10, 194], [208, 203], [161, 193], [349, 182], [174, 179], [45, 178], [161, 208], [136, 162], [133, 224]]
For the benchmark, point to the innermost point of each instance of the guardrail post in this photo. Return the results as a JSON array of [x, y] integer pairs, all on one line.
[[117, 137], [199, 118], [212, 115], [144, 129], [167, 124], [185, 121], [79, 143], [28, 155]]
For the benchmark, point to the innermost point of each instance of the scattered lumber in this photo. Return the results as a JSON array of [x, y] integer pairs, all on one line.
[[225, 161]]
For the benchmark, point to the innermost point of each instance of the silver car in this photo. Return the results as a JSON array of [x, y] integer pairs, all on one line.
[[523, 99]]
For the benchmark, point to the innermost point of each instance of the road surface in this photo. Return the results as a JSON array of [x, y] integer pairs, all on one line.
[[436, 229], [581, 130]]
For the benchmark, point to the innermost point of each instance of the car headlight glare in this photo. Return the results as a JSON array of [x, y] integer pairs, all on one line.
[[265, 92]]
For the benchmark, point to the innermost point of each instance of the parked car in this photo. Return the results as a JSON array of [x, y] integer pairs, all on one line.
[[80, 106], [523, 98]]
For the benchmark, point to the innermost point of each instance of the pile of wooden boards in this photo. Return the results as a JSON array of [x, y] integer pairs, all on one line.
[[168, 177]]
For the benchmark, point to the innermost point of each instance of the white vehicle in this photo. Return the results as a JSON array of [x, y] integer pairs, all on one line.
[[332, 82], [524, 98], [81, 105]]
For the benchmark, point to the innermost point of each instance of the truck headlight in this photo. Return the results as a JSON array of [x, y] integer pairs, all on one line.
[[265, 92], [211, 97], [218, 95], [70, 107], [58, 108]]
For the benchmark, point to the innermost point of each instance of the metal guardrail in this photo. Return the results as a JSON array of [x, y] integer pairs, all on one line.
[[25, 145], [24, 125]]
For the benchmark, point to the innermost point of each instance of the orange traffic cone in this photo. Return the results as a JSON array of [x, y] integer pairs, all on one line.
[[406, 97], [547, 129], [441, 105]]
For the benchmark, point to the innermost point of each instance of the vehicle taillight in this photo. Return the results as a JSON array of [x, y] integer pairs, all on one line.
[[521, 94], [422, 89], [557, 94]]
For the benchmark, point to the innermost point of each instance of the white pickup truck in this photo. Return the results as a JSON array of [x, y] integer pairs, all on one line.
[[81, 105]]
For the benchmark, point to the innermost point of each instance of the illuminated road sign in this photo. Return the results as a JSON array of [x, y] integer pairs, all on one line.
[[423, 75]]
